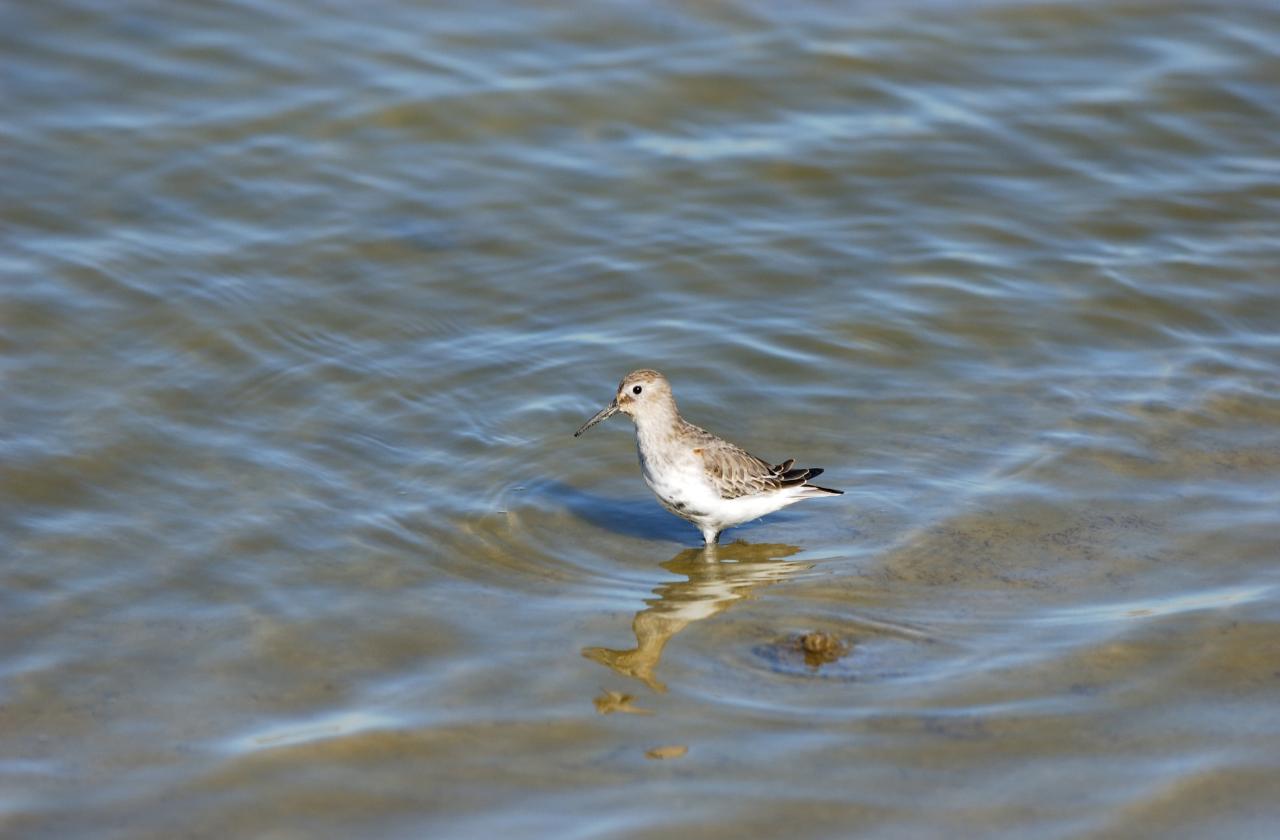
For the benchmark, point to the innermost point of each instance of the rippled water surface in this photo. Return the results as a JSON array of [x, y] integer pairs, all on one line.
[[301, 303]]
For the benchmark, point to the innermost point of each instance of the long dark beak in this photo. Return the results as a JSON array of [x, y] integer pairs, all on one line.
[[603, 414]]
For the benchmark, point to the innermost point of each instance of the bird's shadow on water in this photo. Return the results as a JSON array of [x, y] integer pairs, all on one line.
[[641, 518]]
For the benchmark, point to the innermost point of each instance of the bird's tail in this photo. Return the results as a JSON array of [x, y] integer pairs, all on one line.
[[799, 478]]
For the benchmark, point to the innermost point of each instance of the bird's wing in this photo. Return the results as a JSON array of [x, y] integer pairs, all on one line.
[[734, 472]]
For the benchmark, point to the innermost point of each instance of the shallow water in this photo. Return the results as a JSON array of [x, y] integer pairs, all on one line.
[[302, 303]]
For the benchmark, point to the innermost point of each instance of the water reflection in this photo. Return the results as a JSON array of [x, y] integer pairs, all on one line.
[[716, 577]]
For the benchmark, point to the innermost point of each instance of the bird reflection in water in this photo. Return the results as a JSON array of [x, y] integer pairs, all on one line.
[[716, 578]]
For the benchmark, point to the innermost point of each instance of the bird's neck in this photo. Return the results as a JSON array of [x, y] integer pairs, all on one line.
[[657, 425]]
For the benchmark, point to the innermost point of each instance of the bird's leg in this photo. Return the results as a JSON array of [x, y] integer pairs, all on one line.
[[710, 536]]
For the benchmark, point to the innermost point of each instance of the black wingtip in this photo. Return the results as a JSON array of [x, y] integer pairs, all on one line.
[[826, 490], [798, 476]]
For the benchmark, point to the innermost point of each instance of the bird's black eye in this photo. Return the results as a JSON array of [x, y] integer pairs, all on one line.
[[636, 389]]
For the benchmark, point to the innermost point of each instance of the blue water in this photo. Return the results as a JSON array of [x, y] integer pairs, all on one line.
[[300, 305]]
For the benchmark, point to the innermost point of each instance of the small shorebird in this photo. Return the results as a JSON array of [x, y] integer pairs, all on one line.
[[696, 475]]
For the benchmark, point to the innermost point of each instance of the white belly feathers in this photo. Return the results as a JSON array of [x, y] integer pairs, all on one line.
[[681, 485]]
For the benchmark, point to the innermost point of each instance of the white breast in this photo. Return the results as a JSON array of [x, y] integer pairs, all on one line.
[[679, 481]]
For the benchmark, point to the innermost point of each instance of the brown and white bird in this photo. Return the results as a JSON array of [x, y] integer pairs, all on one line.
[[696, 475]]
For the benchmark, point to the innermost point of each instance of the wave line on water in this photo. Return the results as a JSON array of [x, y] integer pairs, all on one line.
[[1232, 596]]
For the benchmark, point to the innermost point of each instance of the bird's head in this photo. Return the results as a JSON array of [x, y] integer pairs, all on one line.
[[639, 392]]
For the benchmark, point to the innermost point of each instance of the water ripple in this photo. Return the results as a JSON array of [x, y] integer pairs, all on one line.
[[303, 303]]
